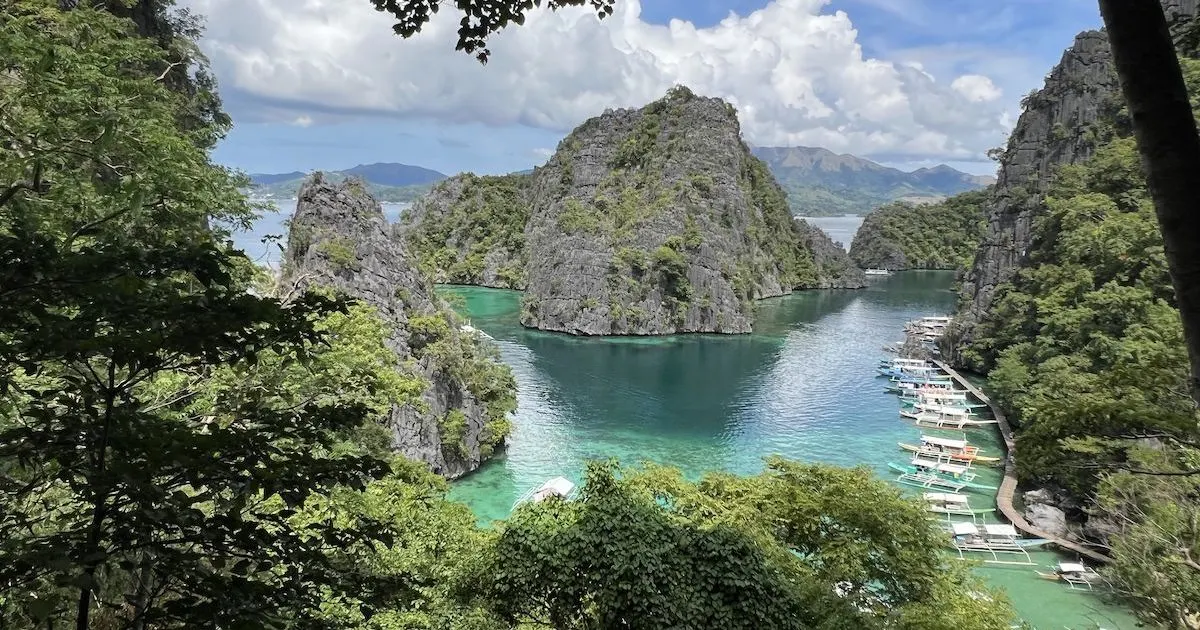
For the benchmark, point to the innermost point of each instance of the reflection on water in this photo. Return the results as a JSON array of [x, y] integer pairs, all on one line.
[[803, 386]]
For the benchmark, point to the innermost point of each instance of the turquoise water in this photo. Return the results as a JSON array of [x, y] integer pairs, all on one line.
[[803, 386]]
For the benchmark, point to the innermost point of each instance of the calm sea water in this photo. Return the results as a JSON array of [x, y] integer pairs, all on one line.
[[840, 229], [803, 386]]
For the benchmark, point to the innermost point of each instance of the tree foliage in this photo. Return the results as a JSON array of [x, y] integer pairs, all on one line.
[[158, 431], [480, 18], [942, 235], [1086, 350], [799, 546]]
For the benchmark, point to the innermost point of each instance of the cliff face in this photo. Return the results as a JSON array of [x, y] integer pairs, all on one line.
[[339, 239], [471, 230], [835, 270], [656, 221], [644, 222], [1051, 131]]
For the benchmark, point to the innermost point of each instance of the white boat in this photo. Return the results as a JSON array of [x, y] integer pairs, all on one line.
[[1075, 574], [994, 539], [940, 448], [557, 487], [877, 272], [952, 503], [946, 417]]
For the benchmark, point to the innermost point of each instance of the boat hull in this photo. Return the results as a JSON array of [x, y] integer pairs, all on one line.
[[913, 448]]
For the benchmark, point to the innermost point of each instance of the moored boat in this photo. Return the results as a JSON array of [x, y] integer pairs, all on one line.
[[994, 539], [946, 417], [944, 448], [877, 272], [557, 487], [927, 473], [952, 503], [1074, 574]]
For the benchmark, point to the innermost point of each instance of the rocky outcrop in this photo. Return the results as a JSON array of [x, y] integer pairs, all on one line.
[[1050, 132], [470, 229], [942, 235], [1053, 130], [1042, 513], [835, 270], [658, 221], [339, 239], [644, 222]]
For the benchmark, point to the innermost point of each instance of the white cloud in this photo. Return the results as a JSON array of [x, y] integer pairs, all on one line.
[[543, 152], [976, 88], [303, 120], [796, 75]]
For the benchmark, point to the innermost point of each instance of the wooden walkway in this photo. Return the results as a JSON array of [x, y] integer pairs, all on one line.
[[1008, 487]]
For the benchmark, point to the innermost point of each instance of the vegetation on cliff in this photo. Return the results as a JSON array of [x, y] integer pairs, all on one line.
[[467, 222], [340, 241], [1085, 349], [941, 235]]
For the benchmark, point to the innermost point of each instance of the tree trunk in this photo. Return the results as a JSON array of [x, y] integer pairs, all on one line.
[[1152, 83]]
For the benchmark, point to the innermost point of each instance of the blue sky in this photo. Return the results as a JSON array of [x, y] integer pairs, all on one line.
[[904, 82]]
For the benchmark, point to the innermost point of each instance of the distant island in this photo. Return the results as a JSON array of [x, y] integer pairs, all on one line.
[[819, 182], [387, 181]]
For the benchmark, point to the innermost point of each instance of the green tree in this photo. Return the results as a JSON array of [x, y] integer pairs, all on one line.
[[798, 546], [124, 500]]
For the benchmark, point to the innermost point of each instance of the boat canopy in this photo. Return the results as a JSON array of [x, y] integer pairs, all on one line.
[[937, 441], [964, 529], [943, 467], [946, 497], [1071, 567], [1000, 529], [559, 485]]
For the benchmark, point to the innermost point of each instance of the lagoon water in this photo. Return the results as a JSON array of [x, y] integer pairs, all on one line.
[[803, 386]]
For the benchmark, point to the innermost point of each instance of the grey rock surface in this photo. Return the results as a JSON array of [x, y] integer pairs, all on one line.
[[1051, 131], [658, 221], [339, 239]]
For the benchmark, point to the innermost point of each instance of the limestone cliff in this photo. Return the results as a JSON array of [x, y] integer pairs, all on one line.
[[649, 221], [339, 239], [471, 230], [1053, 129]]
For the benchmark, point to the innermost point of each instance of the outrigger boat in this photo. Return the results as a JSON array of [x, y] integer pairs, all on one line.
[[927, 473], [903, 387], [1075, 574], [993, 538], [914, 374], [945, 418], [877, 272], [936, 409], [902, 362], [953, 450], [952, 503], [944, 397], [557, 487]]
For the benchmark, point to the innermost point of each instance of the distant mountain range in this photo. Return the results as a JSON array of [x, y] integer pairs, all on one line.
[[388, 181], [820, 182]]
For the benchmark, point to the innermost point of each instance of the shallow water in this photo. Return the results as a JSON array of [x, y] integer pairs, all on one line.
[[803, 386]]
